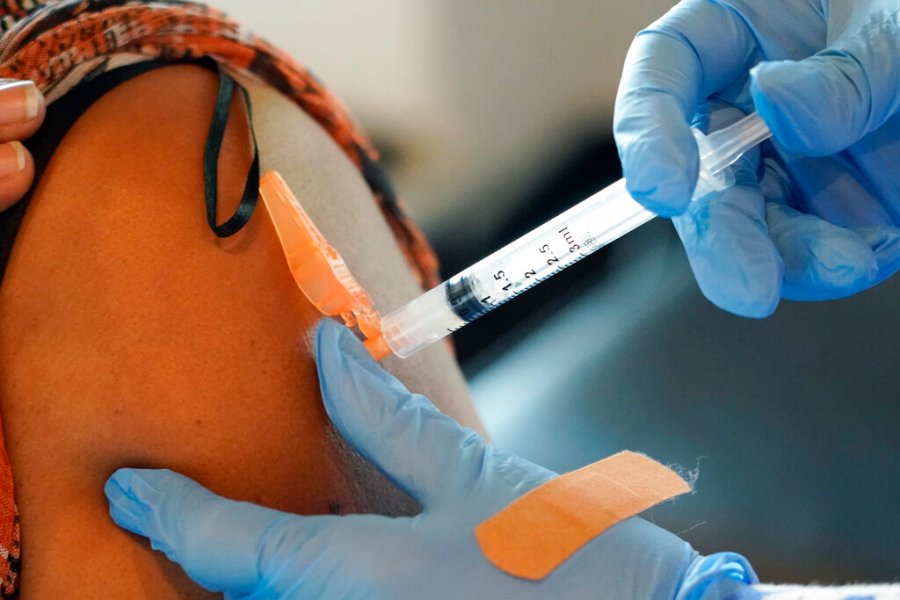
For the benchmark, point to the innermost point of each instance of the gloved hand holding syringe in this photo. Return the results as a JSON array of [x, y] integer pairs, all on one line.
[[578, 232]]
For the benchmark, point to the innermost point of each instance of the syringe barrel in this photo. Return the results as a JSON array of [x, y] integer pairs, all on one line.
[[578, 232], [420, 323], [496, 279]]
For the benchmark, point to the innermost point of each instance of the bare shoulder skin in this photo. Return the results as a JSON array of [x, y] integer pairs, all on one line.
[[131, 336]]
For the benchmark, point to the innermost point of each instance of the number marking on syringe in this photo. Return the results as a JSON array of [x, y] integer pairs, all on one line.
[[569, 238], [552, 261], [562, 248], [501, 276]]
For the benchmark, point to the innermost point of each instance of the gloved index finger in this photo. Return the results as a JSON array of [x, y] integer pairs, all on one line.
[[696, 49], [421, 449], [222, 544]]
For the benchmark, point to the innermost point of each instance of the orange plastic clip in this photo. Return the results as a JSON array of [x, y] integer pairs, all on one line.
[[318, 269]]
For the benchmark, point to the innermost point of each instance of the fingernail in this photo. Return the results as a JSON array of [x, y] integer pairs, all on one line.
[[19, 101], [12, 158]]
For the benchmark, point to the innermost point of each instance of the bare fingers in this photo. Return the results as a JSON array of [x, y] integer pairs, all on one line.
[[22, 110]]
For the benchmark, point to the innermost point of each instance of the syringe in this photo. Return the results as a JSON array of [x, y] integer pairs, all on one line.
[[582, 230]]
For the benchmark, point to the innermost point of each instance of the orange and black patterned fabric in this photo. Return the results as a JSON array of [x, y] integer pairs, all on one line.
[[61, 43]]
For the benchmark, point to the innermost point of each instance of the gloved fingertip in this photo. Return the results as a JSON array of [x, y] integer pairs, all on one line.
[[885, 244], [758, 301], [665, 204], [357, 391], [766, 83], [805, 105], [735, 262], [330, 366], [661, 173], [831, 280], [822, 261], [334, 342], [117, 483], [750, 289], [125, 511], [337, 352], [757, 293], [133, 495], [132, 486], [113, 490], [757, 308]]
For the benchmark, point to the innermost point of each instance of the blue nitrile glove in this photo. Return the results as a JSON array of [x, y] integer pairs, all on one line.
[[249, 551], [815, 217]]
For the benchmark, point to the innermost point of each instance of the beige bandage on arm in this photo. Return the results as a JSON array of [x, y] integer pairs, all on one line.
[[539, 531]]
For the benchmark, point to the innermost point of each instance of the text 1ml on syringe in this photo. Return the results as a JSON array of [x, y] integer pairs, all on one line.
[[578, 232]]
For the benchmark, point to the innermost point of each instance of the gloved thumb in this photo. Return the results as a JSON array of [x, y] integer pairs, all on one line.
[[221, 544], [823, 104]]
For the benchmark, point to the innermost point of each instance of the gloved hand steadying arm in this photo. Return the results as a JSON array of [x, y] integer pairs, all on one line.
[[249, 551], [815, 216]]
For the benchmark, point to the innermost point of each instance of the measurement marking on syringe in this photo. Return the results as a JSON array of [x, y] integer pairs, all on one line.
[[569, 238], [501, 276]]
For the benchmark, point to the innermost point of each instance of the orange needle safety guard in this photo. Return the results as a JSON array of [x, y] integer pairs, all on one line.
[[320, 272]]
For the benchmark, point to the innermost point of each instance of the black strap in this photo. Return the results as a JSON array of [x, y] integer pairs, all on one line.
[[63, 113], [211, 161]]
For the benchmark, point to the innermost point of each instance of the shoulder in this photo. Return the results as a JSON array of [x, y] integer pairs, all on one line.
[[133, 165]]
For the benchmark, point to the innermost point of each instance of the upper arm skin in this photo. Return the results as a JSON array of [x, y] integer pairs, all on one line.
[[338, 200], [131, 336]]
